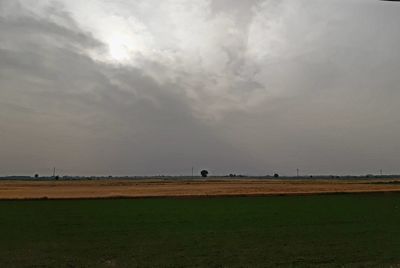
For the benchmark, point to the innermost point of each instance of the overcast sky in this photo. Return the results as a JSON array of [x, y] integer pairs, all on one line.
[[151, 87]]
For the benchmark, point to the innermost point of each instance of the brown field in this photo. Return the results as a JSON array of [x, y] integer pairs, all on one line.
[[178, 188]]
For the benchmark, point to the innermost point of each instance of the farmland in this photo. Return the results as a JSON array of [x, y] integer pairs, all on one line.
[[306, 230], [133, 188]]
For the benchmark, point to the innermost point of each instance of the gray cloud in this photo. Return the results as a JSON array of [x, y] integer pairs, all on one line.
[[234, 86]]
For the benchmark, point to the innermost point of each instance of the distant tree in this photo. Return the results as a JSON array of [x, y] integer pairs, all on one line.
[[56, 178], [204, 173], [276, 175], [36, 176]]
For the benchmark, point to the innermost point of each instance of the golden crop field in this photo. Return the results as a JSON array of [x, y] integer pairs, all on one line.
[[185, 188]]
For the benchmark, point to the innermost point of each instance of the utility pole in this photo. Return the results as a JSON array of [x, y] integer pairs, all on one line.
[[54, 172], [297, 172], [192, 172], [381, 172]]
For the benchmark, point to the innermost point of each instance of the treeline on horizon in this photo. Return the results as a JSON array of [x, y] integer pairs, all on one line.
[[185, 177]]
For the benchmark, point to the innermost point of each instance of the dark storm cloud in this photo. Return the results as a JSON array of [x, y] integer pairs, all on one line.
[[234, 86]]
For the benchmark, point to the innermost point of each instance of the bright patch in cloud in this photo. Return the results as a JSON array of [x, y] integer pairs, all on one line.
[[119, 48]]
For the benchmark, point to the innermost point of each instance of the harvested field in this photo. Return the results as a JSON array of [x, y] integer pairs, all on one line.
[[178, 188]]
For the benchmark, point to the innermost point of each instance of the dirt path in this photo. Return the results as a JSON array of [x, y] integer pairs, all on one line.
[[175, 188]]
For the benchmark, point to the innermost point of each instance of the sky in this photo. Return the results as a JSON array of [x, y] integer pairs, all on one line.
[[148, 87]]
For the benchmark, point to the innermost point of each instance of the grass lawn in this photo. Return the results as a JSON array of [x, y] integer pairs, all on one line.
[[322, 230]]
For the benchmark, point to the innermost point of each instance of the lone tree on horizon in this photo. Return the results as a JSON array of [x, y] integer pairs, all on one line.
[[204, 173]]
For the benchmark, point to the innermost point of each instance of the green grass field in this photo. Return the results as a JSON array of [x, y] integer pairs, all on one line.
[[324, 230]]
